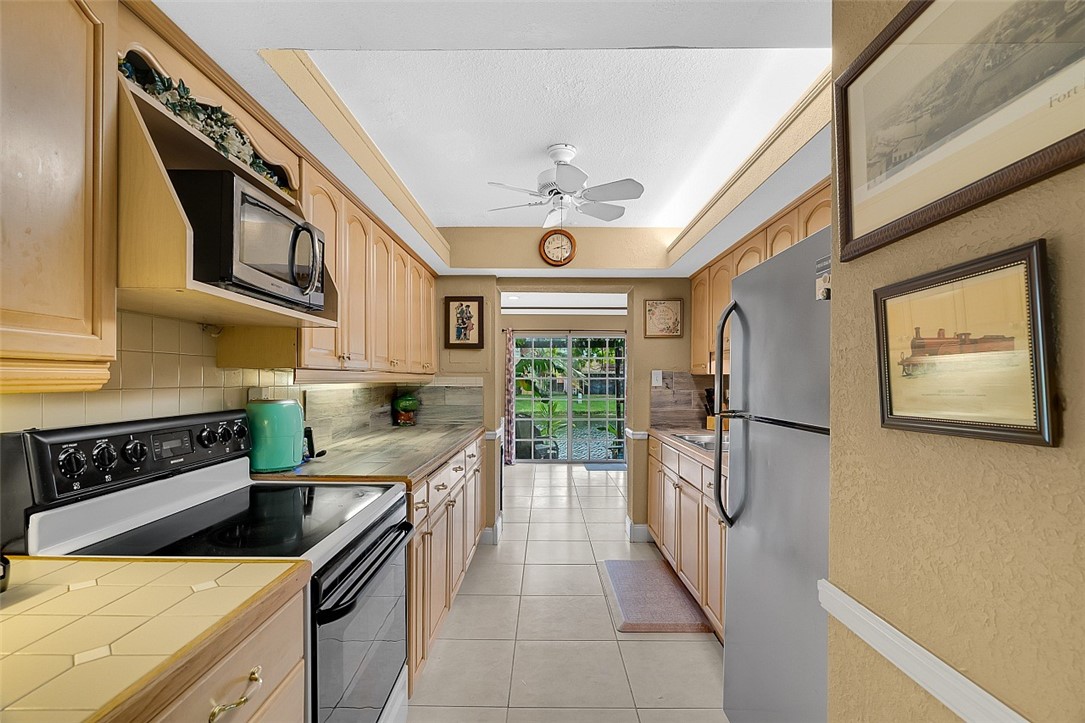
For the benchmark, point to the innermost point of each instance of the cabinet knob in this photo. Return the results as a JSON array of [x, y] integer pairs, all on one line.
[[457, 469], [441, 487]]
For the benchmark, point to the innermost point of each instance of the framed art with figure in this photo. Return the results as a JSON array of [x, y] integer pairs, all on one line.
[[464, 322]]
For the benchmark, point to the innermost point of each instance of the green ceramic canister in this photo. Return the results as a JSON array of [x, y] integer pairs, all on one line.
[[277, 432]]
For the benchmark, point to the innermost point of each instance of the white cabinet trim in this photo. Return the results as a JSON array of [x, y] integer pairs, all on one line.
[[956, 692]]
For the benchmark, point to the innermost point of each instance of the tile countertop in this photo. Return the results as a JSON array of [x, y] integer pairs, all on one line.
[[399, 454], [703, 456], [80, 636]]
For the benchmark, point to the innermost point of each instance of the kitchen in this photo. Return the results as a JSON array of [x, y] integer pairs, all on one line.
[[158, 366]]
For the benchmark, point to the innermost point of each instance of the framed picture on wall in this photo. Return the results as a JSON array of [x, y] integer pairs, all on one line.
[[954, 104], [662, 318], [464, 322], [965, 351]]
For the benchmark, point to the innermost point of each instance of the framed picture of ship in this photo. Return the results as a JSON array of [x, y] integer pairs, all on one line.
[[965, 351], [956, 103]]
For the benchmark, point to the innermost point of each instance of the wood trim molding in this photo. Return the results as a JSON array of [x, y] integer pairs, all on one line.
[[955, 691], [820, 85], [160, 23], [24, 376]]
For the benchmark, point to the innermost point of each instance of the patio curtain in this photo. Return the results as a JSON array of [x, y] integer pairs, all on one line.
[[510, 394]]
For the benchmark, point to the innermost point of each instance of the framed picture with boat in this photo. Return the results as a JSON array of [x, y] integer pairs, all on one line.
[[954, 104], [965, 350]]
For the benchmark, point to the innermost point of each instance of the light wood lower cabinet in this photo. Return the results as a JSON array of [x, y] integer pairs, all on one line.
[[446, 510], [682, 520], [287, 702]]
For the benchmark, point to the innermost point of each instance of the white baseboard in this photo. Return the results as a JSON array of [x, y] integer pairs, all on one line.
[[637, 532], [491, 535], [956, 692]]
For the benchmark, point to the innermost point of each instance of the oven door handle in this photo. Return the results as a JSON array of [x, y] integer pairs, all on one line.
[[349, 599]]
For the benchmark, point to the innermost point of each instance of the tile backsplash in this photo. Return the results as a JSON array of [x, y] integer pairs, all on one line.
[[164, 367], [680, 402]]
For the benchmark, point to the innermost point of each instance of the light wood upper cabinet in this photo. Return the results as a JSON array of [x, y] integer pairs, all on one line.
[[324, 208], [416, 348], [720, 274], [750, 253], [815, 213], [401, 331], [428, 328], [700, 344], [379, 301], [354, 268], [58, 181], [783, 233]]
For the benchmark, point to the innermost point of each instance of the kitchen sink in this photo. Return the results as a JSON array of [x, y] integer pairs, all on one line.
[[704, 441]]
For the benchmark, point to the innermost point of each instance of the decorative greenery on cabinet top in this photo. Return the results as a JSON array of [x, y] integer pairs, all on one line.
[[210, 120]]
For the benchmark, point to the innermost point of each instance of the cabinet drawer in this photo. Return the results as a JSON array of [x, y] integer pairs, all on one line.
[[418, 501], [654, 446], [440, 483], [689, 469], [287, 702], [457, 466], [276, 646], [708, 480], [670, 459], [473, 454]]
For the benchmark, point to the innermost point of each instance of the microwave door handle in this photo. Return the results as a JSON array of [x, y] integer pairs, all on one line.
[[317, 256]]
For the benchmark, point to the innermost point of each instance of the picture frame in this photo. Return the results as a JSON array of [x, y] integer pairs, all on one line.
[[954, 104], [965, 351], [464, 322], [663, 319]]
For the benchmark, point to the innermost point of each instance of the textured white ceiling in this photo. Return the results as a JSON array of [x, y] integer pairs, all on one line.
[[679, 121]]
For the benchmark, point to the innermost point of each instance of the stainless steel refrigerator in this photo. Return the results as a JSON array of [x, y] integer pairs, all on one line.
[[775, 498]]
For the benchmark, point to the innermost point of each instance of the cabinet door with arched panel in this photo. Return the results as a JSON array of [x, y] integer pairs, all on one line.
[[700, 337], [783, 233], [751, 252], [815, 213], [323, 205]]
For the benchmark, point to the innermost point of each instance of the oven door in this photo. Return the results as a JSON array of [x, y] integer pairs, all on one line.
[[274, 252], [360, 626]]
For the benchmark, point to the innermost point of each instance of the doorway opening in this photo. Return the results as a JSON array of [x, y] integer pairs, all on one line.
[[569, 397]]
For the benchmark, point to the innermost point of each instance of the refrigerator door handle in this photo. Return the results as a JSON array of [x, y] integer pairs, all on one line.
[[728, 519]]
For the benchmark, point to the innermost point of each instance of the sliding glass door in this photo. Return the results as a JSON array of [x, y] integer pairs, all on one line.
[[570, 397]]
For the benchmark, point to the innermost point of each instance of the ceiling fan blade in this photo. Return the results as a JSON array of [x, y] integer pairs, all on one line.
[[516, 188], [553, 218], [569, 179], [602, 211], [624, 190], [520, 205]]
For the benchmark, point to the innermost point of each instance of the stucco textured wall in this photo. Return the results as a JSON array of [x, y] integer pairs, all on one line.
[[974, 549]]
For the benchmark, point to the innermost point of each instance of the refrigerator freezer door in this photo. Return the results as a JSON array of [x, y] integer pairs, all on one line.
[[775, 631], [780, 339]]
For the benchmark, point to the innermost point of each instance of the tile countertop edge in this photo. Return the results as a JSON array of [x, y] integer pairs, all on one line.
[[429, 465], [690, 450], [185, 667]]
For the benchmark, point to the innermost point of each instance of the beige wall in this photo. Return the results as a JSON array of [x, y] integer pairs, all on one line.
[[517, 247], [973, 549], [644, 354]]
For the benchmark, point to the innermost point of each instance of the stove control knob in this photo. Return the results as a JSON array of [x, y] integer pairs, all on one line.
[[241, 431], [134, 452], [206, 437], [225, 435], [104, 456], [72, 463]]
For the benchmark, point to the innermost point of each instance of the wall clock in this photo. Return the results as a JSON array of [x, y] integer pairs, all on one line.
[[557, 247]]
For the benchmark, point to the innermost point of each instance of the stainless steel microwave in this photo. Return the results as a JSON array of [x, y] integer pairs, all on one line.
[[245, 240]]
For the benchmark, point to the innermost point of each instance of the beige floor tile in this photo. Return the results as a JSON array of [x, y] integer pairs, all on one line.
[[553, 491], [18, 632], [604, 515], [561, 580], [599, 491], [675, 674], [603, 503], [492, 579], [561, 617], [23, 673], [514, 483], [554, 503], [518, 515], [573, 715], [512, 502], [557, 531], [81, 687], [566, 515], [482, 617], [466, 673], [607, 531], [163, 636], [687, 715], [506, 552], [433, 714], [85, 634], [554, 552], [513, 531], [625, 550], [569, 675]]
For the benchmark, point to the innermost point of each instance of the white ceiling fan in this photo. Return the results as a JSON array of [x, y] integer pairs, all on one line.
[[562, 189]]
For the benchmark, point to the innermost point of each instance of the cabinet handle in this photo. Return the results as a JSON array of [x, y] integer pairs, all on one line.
[[711, 485], [471, 456], [255, 681], [441, 487], [427, 533], [421, 505], [457, 469]]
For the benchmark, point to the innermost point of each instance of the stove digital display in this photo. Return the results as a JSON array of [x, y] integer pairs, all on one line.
[[171, 444]]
